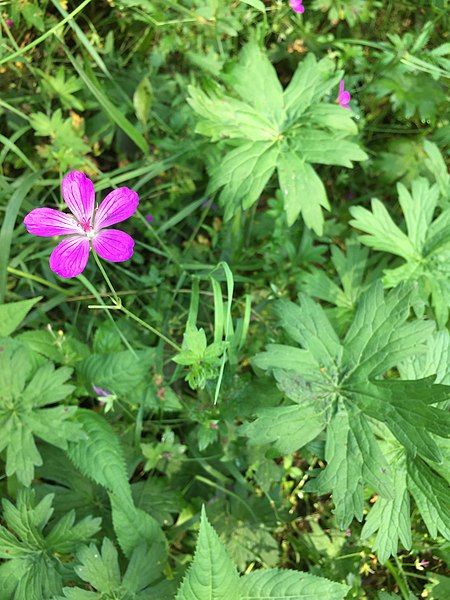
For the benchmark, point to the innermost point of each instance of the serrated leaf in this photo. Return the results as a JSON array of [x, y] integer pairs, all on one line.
[[265, 94], [243, 174], [289, 585], [24, 391], [405, 407], [212, 575], [223, 116], [390, 518], [299, 93], [33, 551], [430, 492], [118, 372], [318, 147], [288, 428], [302, 190]]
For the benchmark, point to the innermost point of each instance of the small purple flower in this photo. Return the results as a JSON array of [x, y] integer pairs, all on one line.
[[344, 97], [9, 23], [101, 392], [85, 228], [297, 6], [149, 218]]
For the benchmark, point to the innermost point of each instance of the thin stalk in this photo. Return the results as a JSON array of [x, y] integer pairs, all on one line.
[[119, 306]]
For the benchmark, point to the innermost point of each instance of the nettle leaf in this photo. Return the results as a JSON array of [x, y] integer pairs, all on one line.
[[276, 129], [425, 247], [341, 386], [34, 550], [100, 569], [289, 585], [28, 409], [118, 372], [212, 576], [100, 457]]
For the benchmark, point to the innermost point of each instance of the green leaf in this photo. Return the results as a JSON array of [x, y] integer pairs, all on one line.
[[119, 372], [303, 191], [430, 492], [256, 4], [436, 164], [12, 314], [379, 338], [405, 407], [24, 391], [134, 527], [390, 518], [114, 113], [308, 325], [382, 233], [320, 147], [33, 551], [142, 100], [289, 585], [243, 174], [300, 92], [275, 128], [425, 247], [100, 457], [223, 116], [265, 93], [102, 572], [348, 464], [288, 428], [211, 576]]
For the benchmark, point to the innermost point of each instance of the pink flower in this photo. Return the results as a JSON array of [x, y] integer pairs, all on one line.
[[297, 6], [344, 97], [9, 23], [85, 228]]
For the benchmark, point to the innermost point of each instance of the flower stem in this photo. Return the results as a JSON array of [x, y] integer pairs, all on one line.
[[150, 328], [106, 278], [119, 306]]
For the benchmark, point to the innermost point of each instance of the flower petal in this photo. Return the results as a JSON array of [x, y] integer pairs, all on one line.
[[344, 98], [118, 205], [70, 256], [113, 245], [47, 222], [341, 87], [79, 195]]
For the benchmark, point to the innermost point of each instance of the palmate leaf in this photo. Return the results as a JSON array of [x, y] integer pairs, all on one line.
[[336, 386], [279, 129], [212, 576], [425, 247], [32, 549], [102, 572], [27, 398]]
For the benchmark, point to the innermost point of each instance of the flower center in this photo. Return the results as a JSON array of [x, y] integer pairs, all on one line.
[[87, 228]]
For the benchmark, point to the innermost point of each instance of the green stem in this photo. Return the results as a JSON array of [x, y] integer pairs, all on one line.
[[150, 328], [119, 306], [399, 579], [106, 278]]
